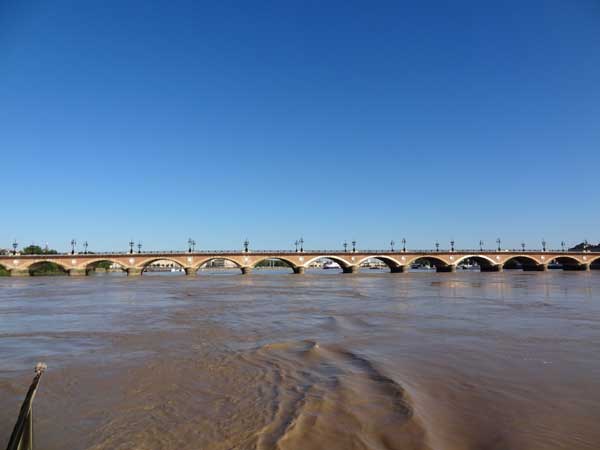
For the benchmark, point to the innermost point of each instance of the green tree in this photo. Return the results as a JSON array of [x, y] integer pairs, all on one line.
[[47, 268], [37, 250]]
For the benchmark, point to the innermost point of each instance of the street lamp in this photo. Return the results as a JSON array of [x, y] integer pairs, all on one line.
[[345, 247], [301, 241], [392, 245], [131, 244], [139, 247], [354, 246], [452, 245], [15, 245], [246, 244], [585, 245], [543, 245], [498, 241], [437, 246], [404, 245], [562, 245], [73, 244], [190, 241], [523, 245], [85, 247], [480, 246], [296, 245]]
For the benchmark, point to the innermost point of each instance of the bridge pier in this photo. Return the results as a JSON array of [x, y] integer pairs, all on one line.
[[77, 272], [299, 270], [246, 270], [448, 268], [190, 271], [350, 269], [20, 273], [133, 272], [494, 268], [399, 269]]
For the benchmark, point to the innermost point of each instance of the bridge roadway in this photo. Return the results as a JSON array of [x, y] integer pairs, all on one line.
[[398, 261]]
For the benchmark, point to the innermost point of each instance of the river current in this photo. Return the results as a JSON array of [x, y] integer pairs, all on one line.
[[448, 361]]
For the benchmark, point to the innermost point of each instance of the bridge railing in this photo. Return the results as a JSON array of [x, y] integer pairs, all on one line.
[[293, 252]]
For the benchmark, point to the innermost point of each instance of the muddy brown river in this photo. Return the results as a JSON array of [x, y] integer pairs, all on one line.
[[453, 361]]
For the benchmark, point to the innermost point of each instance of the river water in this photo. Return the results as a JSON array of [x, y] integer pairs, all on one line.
[[373, 360]]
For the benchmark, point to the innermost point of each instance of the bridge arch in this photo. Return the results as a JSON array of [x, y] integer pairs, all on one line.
[[595, 262], [287, 262], [4, 271], [46, 267], [341, 261], [146, 264], [91, 266], [202, 263], [568, 261], [390, 262], [525, 261], [435, 261], [148, 261], [483, 261]]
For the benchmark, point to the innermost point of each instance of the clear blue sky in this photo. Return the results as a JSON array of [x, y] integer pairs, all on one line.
[[372, 121]]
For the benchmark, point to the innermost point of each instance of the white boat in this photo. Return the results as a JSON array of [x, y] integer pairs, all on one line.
[[331, 265]]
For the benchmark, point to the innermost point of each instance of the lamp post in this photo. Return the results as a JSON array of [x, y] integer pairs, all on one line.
[[392, 245], [139, 247], [190, 241], [437, 246], [562, 245], [131, 244], [85, 247], [15, 245], [498, 241], [345, 244], [543, 245], [301, 241], [452, 245], [523, 245], [296, 245], [354, 246], [73, 244], [585, 245], [404, 245], [480, 246], [246, 244]]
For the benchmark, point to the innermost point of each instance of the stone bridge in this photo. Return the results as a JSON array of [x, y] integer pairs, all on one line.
[[397, 261]]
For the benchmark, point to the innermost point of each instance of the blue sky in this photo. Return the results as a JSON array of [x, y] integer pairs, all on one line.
[[372, 121]]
